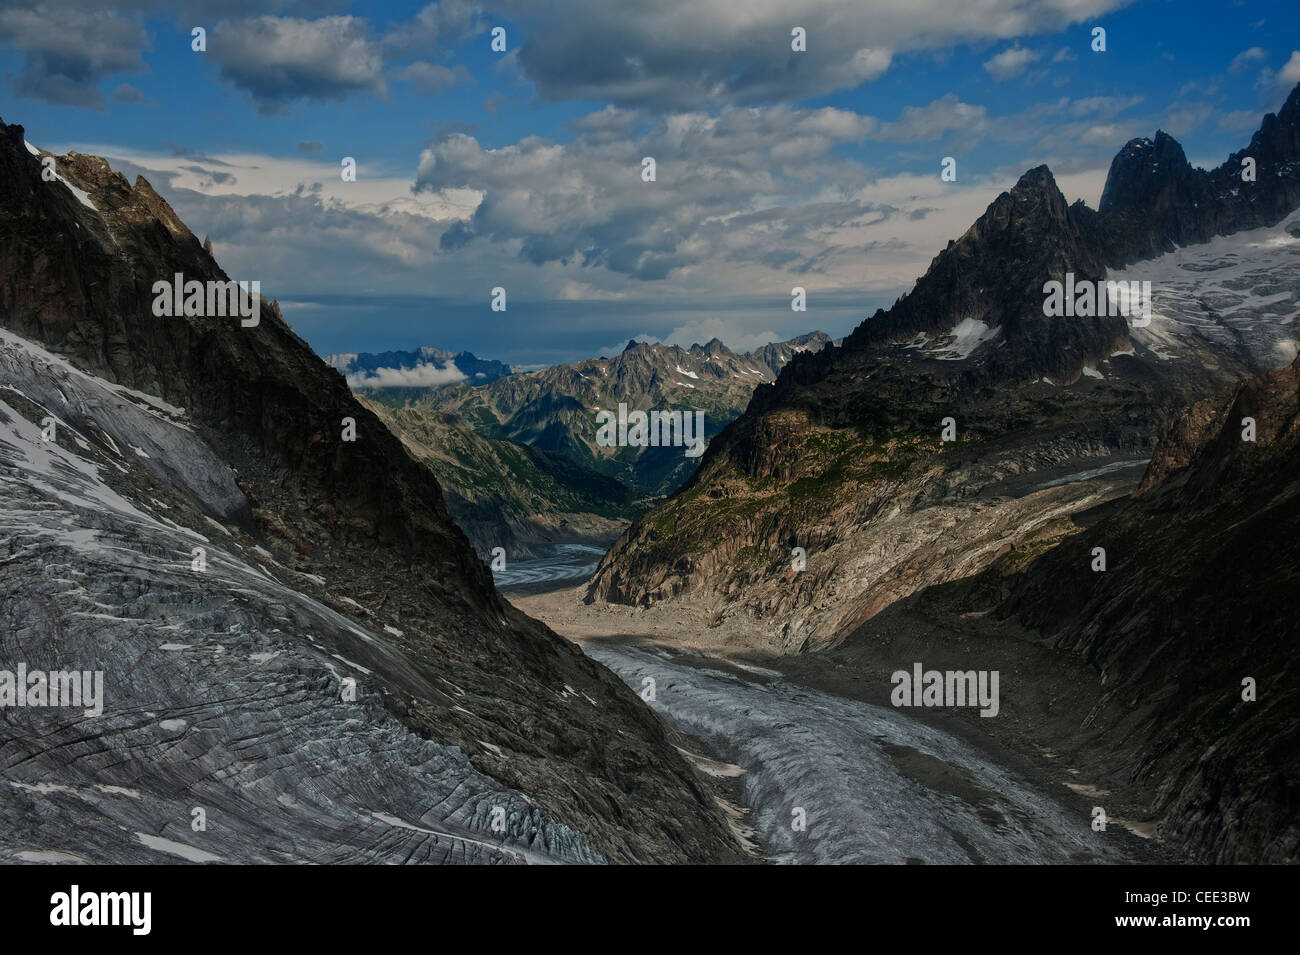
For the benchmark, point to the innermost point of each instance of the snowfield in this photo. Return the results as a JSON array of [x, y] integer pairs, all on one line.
[[1241, 293]]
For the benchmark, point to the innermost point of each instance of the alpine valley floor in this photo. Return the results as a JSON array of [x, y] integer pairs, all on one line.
[[816, 732]]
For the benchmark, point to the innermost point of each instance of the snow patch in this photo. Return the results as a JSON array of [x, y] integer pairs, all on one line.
[[967, 335], [180, 849]]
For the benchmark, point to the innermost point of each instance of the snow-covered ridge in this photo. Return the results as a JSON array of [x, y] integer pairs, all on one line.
[[82, 196], [1240, 292], [957, 344]]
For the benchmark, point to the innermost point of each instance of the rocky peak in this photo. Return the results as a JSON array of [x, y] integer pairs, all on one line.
[[1142, 169], [1154, 199], [994, 275]]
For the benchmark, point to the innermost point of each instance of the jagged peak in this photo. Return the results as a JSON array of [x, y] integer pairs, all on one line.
[[1037, 179], [1290, 110]]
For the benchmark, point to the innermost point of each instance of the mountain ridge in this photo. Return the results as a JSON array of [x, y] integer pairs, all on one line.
[[555, 409], [869, 413], [360, 527]]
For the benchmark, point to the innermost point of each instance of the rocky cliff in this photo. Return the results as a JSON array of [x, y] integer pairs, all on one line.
[[508, 495], [1198, 598], [330, 554]]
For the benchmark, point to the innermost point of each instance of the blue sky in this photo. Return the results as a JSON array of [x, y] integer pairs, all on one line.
[[522, 169]]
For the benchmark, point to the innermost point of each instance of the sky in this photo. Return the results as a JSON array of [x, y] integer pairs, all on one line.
[[522, 168]]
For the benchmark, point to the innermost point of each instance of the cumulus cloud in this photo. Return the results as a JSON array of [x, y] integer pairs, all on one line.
[[682, 54], [423, 375], [1290, 72], [585, 202], [126, 93], [923, 124], [436, 25], [431, 79], [278, 60], [68, 51], [730, 331], [1010, 62]]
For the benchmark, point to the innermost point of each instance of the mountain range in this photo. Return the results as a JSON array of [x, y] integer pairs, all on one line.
[[555, 409], [964, 433], [259, 550], [516, 475], [511, 495]]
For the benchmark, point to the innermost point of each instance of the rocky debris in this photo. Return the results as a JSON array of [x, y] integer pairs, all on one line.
[[360, 527]]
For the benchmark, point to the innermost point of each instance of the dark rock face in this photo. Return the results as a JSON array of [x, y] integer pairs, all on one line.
[[1154, 199], [509, 495], [995, 273], [76, 278], [881, 395], [1199, 594]]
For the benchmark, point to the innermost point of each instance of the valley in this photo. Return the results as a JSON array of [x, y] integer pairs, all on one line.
[[281, 565]]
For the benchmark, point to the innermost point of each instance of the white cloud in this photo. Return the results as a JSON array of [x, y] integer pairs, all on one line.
[[682, 54], [1010, 62], [277, 60], [424, 375], [922, 124], [1290, 73], [376, 190], [730, 331]]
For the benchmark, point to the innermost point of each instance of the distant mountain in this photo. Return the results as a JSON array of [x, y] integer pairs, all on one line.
[[411, 372], [555, 409], [503, 494], [283, 618]]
